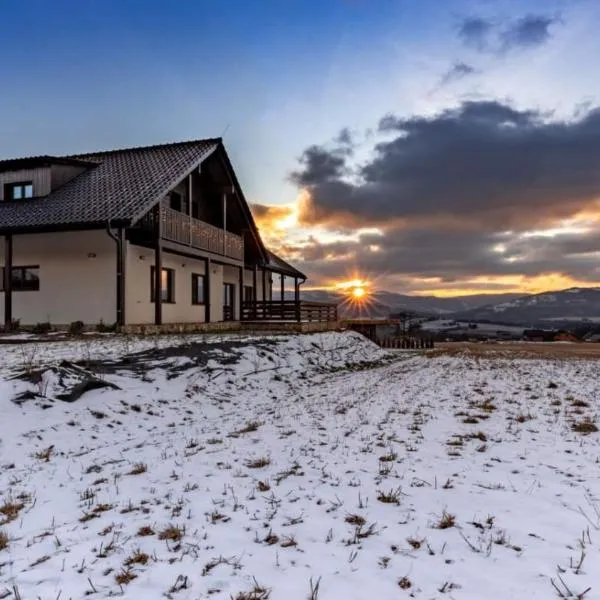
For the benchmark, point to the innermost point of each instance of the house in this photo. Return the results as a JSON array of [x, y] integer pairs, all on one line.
[[141, 236]]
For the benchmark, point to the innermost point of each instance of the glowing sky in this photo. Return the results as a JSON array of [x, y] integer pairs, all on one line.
[[430, 147]]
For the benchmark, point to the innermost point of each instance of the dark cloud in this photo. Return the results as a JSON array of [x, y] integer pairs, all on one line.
[[500, 36], [482, 165], [458, 71], [320, 165], [452, 257], [456, 195], [476, 32], [532, 30]]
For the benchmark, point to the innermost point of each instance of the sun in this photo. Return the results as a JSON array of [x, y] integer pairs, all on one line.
[[358, 293]]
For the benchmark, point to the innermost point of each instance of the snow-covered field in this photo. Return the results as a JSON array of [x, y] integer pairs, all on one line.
[[296, 467]]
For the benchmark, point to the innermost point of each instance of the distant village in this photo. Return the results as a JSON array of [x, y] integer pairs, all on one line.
[[412, 325]]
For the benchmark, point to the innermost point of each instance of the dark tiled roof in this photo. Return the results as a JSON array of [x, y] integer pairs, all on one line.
[[32, 162], [281, 266], [121, 186]]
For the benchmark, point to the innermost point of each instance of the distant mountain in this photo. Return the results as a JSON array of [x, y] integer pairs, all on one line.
[[574, 304], [382, 304]]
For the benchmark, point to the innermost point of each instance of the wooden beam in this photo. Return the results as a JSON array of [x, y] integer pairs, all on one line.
[[297, 299], [8, 264], [241, 291], [121, 245], [224, 223], [189, 194], [208, 268], [264, 284], [282, 286], [158, 269], [254, 292]]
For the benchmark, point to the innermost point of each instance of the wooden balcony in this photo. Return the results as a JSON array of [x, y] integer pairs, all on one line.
[[183, 229], [288, 310]]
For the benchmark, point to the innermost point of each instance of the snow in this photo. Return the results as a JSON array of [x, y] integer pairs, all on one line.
[[265, 452]]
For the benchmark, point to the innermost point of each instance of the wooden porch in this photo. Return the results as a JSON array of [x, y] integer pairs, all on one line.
[[290, 311]]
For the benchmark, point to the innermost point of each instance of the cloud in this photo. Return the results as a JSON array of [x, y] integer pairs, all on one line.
[[501, 36], [529, 31], [483, 165], [465, 195], [458, 71], [475, 32]]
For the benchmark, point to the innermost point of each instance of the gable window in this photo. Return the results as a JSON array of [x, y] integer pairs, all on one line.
[[18, 191], [167, 285], [198, 289], [23, 279]]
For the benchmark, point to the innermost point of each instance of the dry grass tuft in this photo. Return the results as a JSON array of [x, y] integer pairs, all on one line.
[[263, 486], [10, 510], [405, 583], [145, 530], [3, 540], [446, 521], [125, 576], [258, 463], [585, 426], [137, 558], [258, 592], [172, 533], [249, 427], [44, 454], [356, 520], [138, 469], [391, 497]]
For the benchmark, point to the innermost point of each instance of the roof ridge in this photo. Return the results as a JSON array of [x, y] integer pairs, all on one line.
[[140, 148]]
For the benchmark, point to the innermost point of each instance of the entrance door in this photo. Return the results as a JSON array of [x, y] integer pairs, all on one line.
[[228, 301]]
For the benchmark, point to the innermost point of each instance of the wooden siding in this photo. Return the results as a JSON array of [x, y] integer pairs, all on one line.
[[62, 174], [41, 178]]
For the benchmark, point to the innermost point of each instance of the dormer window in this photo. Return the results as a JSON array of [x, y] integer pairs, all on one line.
[[18, 191]]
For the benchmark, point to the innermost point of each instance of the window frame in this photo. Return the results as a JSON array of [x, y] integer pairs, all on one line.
[[9, 190], [196, 301], [21, 269], [170, 287]]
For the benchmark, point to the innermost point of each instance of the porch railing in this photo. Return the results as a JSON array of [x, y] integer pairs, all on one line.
[[288, 310], [183, 229]]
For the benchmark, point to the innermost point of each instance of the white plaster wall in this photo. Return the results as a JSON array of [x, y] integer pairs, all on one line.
[[138, 307], [75, 285]]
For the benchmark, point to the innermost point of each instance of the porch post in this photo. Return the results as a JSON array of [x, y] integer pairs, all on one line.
[[282, 287], [8, 263], [241, 291], [121, 277], [158, 269], [297, 299], [254, 292], [264, 284], [208, 267], [189, 200], [224, 223]]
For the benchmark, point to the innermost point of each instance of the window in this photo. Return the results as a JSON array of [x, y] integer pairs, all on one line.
[[228, 301], [23, 279], [167, 285], [198, 289], [248, 293], [18, 191]]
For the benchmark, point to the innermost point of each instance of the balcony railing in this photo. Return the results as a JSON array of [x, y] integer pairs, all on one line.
[[183, 229], [288, 310]]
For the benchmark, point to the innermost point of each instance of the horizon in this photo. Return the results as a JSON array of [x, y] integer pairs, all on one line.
[[428, 149]]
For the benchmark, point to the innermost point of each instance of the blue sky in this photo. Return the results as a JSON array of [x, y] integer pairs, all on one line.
[[279, 76]]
